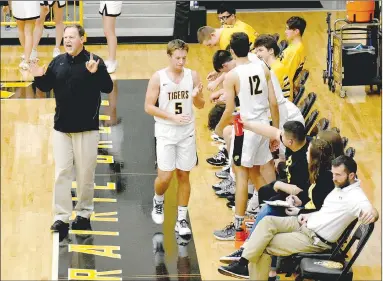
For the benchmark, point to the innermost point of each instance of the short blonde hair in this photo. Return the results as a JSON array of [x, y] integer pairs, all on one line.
[[204, 33], [176, 44]]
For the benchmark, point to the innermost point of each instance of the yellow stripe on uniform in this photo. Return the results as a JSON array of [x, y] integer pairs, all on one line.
[[105, 103], [91, 232]]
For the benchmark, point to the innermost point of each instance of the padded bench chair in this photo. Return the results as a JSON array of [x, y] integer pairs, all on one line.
[[290, 264], [321, 125], [336, 268], [310, 120]]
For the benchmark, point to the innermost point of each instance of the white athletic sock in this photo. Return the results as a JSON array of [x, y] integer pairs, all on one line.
[[182, 212], [238, 221], [159, 198]]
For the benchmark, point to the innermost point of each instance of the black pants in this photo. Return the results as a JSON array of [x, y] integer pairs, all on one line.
[[268, 193]]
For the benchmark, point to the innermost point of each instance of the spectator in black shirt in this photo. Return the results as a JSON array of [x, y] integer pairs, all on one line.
[[77, 78]]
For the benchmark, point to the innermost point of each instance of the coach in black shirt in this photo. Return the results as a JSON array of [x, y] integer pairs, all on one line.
[[77, 78], [296, 142]]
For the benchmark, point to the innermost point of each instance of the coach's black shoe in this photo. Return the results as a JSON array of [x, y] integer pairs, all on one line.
[[61, 227], [81, 223], [235, 269]]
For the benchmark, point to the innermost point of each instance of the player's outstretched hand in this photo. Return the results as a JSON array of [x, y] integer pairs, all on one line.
[[212, 76], [197, 90]]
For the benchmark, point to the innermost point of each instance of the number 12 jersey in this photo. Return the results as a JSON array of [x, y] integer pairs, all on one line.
[[253, 91]]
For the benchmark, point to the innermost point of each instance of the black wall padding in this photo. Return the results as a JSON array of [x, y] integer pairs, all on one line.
[[181, 20]]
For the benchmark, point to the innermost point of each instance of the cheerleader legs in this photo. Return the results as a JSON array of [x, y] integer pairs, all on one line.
[[109, 24], [38, 32], [25, 29]]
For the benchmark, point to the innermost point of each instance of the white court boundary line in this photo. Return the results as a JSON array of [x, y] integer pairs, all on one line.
[[55, 256]]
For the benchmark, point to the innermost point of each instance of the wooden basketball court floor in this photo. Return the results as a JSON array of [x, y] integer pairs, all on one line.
[[27, 166]]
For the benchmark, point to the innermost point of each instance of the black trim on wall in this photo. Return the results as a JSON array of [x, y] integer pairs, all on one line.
[[213, 5], [99, 40]]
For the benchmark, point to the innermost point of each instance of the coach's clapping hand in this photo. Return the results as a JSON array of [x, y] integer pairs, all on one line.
[[181, 118], [35, 70], [92, 65]]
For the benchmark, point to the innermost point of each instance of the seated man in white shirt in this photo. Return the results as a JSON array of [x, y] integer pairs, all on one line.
[[310, 233]]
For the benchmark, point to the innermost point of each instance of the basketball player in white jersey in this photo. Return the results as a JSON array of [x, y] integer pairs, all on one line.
[[253, 85], [175, 89]]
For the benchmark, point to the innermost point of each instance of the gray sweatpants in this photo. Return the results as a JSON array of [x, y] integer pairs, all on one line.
[[82, 149]]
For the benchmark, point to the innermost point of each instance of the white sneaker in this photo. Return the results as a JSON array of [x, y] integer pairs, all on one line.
[[24, 65], [112, 66], [33, 55], [182, 227], [56, 52], [158, 212], [253, 205]]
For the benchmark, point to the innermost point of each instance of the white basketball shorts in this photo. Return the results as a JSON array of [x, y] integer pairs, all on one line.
[[176, 147]]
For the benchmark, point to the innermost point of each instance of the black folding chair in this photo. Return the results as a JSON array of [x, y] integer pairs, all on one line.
[[290, 264], [336, 268], [302, 78], [322, 125], [283, 45], [336, 129], [344, 141], [298, 94], [310, 120], [350, 152], [309, 100]]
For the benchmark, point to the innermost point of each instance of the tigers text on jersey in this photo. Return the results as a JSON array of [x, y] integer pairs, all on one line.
[[176, 98], [253, 91]]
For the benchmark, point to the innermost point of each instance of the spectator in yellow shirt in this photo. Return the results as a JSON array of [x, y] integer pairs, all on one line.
[[212, 37], [266, 47], [294, 56], [227, 17]]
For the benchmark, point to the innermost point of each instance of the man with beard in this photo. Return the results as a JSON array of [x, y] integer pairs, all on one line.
[[309, 233]]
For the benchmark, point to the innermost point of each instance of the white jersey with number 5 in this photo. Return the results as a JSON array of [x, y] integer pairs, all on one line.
[[253, 91], [176, 98]]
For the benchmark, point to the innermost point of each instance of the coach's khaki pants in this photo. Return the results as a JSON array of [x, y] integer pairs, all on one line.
[[82, 149], [277, 236]]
